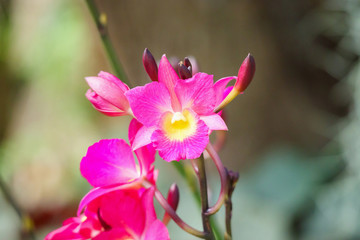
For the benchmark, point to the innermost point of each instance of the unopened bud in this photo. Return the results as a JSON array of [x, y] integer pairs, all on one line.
[[173, 198], [233, 178], [245, 74], [187, 63], [184, 72], [150, 65]]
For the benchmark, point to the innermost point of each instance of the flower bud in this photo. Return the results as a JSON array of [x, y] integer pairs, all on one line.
[[173, 198], [107, 94], [187, 63], [232, 178], [184, 72], [245, 74], [193, 64], [150, 65]]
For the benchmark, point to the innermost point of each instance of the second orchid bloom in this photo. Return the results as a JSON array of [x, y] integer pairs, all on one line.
[[176, 115]]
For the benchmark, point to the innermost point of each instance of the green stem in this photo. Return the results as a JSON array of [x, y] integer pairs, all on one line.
[[228, 215], [187, 228], [204, 199], [223, 180], [172, 213], [232, 178], [190, 180], [188, 176], [101, 23]]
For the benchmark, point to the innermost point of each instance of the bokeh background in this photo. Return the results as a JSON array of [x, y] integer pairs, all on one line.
[[294, 135]]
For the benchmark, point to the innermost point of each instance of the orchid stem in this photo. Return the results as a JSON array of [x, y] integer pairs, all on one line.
[[223, 180], [204, 198], [232, 178], [228, 215], [187, 228], [25, 219], [101, 24], [189, 178], [228, 211]]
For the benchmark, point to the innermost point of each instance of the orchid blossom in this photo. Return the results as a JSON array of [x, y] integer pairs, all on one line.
[[121, 214], [106, 94], [177, 114], [109, 165]]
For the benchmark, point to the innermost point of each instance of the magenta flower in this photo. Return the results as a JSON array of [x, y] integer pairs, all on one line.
[[177, 114], [122, 214], [109, 165], [130, 214], [111, 162], [107, 94], [84, 226]]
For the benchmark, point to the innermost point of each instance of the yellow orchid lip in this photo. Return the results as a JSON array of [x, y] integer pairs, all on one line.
[[179, 125]]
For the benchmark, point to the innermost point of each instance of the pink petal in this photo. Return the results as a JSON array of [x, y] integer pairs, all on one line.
[[103, 106], [143, 150], [114, 234], [197, 93], [124, 209], [134, 127], [146, 157], [214, 122], [109, 162], [168, 76], [147, 200], [90, 227], [109, 90], [65, 232], [149, 102], [95, 193], [113, 79], [189, 148], [157, 231], [219, 88], [143, 137]]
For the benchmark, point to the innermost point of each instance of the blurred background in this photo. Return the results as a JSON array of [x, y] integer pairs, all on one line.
[[294, 134]]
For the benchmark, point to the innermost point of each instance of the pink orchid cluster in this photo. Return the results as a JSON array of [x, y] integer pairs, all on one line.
[[173, 115]]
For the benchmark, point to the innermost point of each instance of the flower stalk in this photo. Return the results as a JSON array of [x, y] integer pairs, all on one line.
[[232, 178], [223, 180], [101, 24], [190, 180], [168, 208], [201, 173]]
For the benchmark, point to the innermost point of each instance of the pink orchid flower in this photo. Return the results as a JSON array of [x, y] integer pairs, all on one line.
[[109, 165], [177, 115], [122, 214], [84, 226], [107, 95]]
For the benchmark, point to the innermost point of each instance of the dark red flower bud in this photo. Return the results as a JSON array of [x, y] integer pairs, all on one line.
[[233, 178], [150, 65], [187, 63], [184, 72], [246, 73], [173, 198]]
